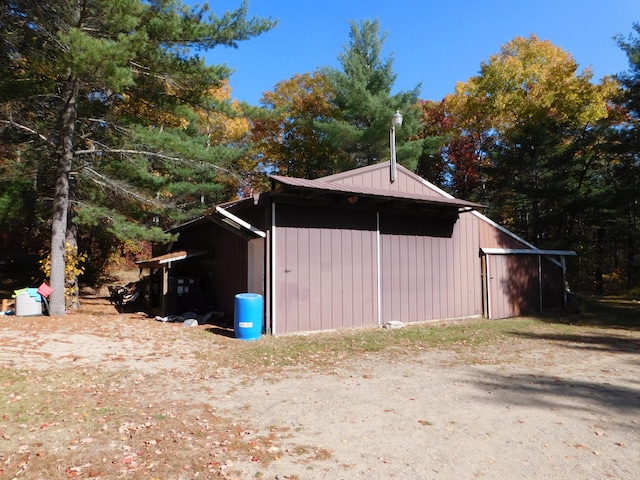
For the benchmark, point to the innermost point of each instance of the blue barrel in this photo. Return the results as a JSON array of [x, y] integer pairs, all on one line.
[[247, 321]]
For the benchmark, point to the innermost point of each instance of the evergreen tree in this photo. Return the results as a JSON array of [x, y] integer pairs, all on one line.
[[625, 171], [82, 80], [362, 89]]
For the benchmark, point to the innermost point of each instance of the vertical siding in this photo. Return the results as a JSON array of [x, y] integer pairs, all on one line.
[[321, 266], [325, 274], [349, 277], [436, 278], [404, 258], [493, 237], [514, 286], [466, 268], [498, 306], [316, 282], [423, 279], [461, 280], [378, 177], [229, 265], [429, 277], [268, 287], [255, 262]]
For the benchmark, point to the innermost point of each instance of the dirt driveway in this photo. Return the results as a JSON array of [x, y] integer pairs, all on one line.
[[97, 394]]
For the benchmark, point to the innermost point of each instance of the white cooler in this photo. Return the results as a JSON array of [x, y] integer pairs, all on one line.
[[27, 305]]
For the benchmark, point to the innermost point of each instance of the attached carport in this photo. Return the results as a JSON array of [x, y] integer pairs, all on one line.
[[516, 280]]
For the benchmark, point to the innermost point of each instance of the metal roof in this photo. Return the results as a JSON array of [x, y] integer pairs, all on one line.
[[324, 186]]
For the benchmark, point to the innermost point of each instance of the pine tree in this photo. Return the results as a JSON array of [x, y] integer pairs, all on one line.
[[362, 89], [83, 79], [625, 174]]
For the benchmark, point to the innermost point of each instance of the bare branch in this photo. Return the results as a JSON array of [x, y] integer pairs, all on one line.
[[26, 129], [142, 70], [126, 151]]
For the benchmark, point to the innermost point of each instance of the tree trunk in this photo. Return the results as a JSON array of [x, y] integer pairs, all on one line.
[[61, 197]]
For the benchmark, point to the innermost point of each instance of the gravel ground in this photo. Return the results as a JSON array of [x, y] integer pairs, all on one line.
[[537, 406]]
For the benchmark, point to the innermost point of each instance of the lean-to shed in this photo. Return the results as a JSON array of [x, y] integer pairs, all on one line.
[[355, 249]]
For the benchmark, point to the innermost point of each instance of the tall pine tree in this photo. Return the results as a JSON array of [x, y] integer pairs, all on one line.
[[79, 78], [362, 89], [625, 174]]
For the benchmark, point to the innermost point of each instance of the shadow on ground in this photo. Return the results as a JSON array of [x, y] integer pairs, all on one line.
[[603, 327], [613, 322], [221, 329], [587, 342], [551, 392], [607, 312]]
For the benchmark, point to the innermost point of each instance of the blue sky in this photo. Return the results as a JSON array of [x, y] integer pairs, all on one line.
[[434, 43]]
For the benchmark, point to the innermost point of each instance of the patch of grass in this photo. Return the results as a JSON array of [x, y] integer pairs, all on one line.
[[468, 333], [322, 350], [327, 350]]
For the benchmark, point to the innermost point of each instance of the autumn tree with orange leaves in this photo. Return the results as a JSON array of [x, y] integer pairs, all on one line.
[[286, 133]]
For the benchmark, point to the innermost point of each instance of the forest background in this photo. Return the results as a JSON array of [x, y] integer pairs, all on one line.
[[113, 129]]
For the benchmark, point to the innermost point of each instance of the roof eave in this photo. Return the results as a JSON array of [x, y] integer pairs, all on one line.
[[317, 188]]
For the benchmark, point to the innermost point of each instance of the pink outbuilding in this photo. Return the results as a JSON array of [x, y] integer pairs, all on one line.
[[360, 248]]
